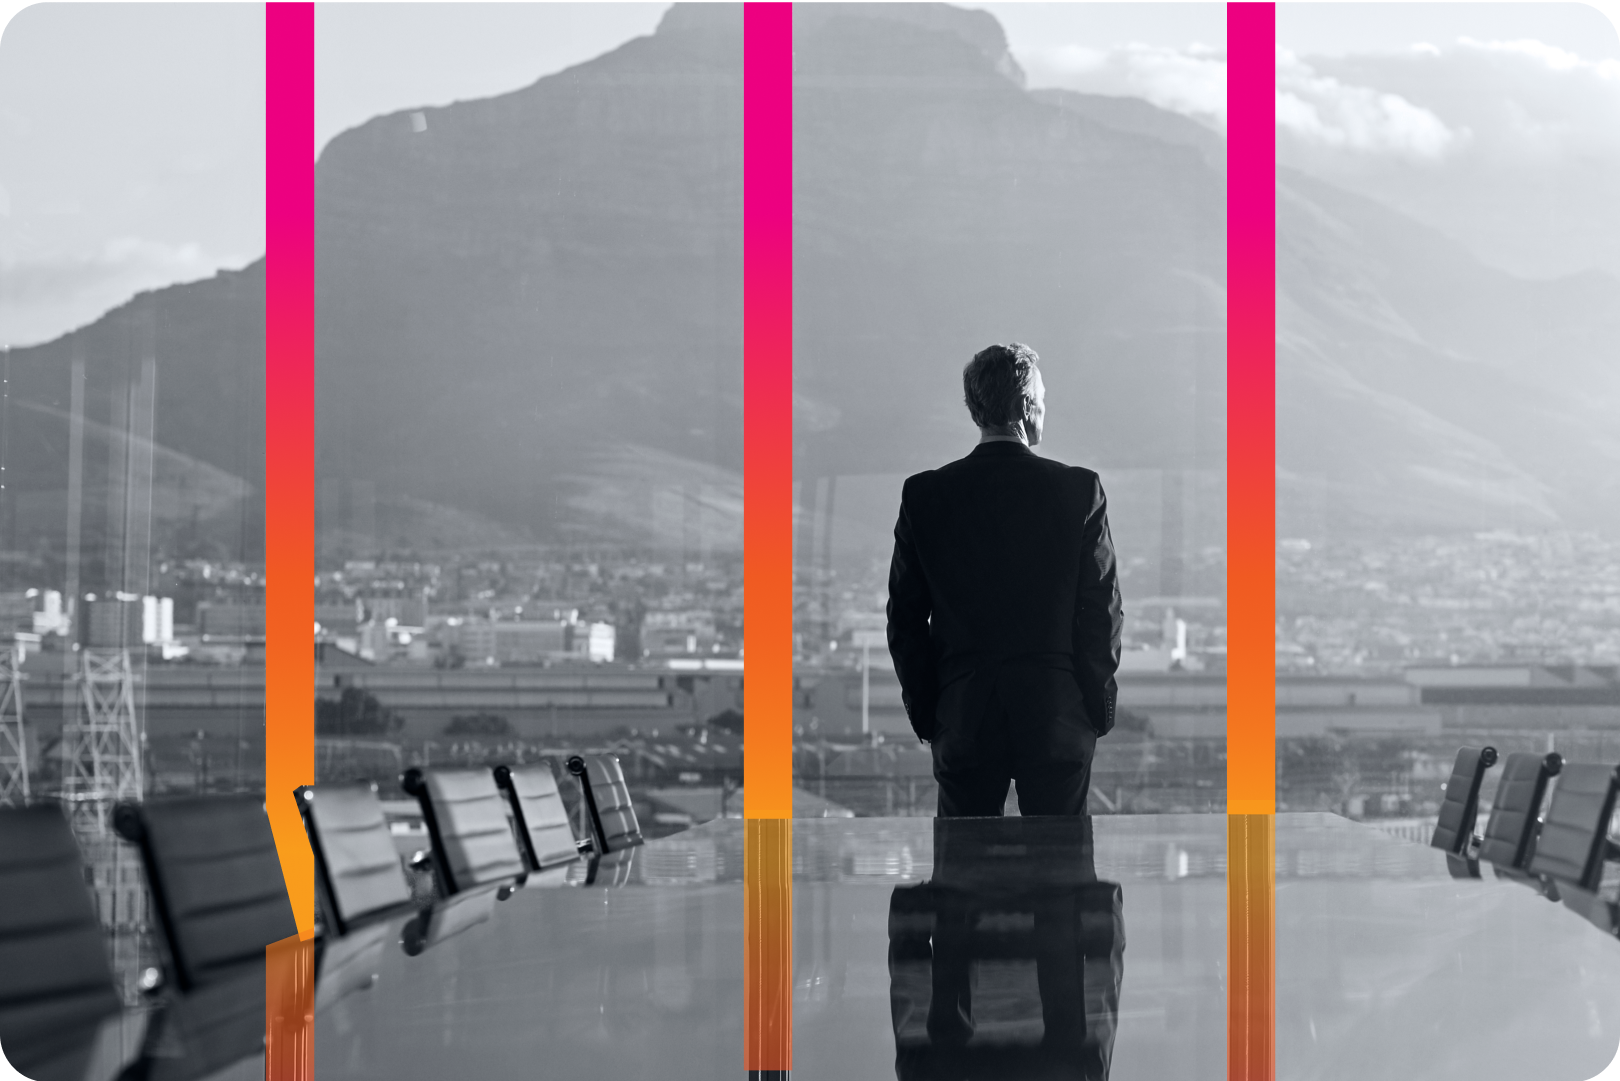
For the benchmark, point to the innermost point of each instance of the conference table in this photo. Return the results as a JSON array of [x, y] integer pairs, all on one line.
[[1101, 955]]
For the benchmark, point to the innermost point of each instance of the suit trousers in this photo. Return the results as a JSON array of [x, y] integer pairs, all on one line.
[[1013, 722]]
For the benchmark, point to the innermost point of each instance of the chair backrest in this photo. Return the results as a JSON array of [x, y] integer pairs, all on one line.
[[215, 880], [1511, 831], [466, 818], [1460, 808], [543, 829], [608, 806], [55, 981], [355, 861], [1575, 833]]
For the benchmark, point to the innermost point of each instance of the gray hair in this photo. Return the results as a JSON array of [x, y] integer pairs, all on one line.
[[997, 386]]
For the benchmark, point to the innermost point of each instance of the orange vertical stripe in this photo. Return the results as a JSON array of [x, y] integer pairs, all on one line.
[[289, 1010], [1251, 947], [768, 945]]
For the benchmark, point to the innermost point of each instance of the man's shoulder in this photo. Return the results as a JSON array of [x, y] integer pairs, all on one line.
[[1073, 472], [918, 480], [1077, 475]]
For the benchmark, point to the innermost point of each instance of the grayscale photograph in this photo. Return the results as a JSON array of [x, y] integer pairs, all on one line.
[[1010, 855]]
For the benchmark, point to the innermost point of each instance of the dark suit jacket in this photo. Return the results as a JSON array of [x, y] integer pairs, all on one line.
[[1000, 556]]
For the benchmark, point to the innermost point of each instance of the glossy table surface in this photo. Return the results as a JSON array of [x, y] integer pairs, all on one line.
[[1386, 965]]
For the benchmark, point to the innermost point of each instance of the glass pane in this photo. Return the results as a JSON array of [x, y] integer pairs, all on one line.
[[131, 443], [529, 396], [968, 177], [1447, 522]]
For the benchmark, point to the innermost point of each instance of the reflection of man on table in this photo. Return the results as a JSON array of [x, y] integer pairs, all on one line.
[[1004, 607], [963, 944]]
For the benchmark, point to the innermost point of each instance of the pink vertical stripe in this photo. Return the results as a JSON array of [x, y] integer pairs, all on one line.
[[1251, 408], [768, 406], [289, 403]]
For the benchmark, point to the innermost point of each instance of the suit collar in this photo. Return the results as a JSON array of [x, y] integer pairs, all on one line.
[[1001, 448]]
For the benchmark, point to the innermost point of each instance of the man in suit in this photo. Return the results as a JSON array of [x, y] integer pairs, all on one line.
[[1004, 607]]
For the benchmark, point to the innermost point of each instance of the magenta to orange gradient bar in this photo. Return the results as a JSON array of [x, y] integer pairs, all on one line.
[[1251, 538], [289, 514], [768, 535]]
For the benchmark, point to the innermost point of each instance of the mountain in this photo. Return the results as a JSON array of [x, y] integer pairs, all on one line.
[[529, 316], [1419, 389], [513, 291], [207, 450]]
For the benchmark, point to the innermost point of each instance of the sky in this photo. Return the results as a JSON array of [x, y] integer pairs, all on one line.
[[131, 135], [1173, 53], [376, 58], [131, 155]]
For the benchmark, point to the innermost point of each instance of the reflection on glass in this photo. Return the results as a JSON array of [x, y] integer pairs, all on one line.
[[528, 397], [1002, 967], [131, 442], [953, 190]]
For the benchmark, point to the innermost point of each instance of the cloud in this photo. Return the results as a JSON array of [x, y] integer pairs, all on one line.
[[1190, 81], [1325, 111], [1316, 108], [44, 296], [1549, 56]]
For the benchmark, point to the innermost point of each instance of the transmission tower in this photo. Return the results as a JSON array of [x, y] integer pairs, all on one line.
[[101, 749], [13, 737]]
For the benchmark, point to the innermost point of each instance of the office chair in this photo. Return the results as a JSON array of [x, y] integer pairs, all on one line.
[[215, 881], [56, 985], [1574, 840], [609, 811], [1510, 833], [1454, 833], [544, 832], [357, 870], [466, 819]]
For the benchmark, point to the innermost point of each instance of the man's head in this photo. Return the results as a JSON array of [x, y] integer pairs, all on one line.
[[1004, 392]]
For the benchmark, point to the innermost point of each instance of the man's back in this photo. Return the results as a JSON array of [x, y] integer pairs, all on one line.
[[1003, 563], [999, 536]]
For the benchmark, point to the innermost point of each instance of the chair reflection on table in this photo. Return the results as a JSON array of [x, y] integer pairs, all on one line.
[[201, 1032], [1007, 895]]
